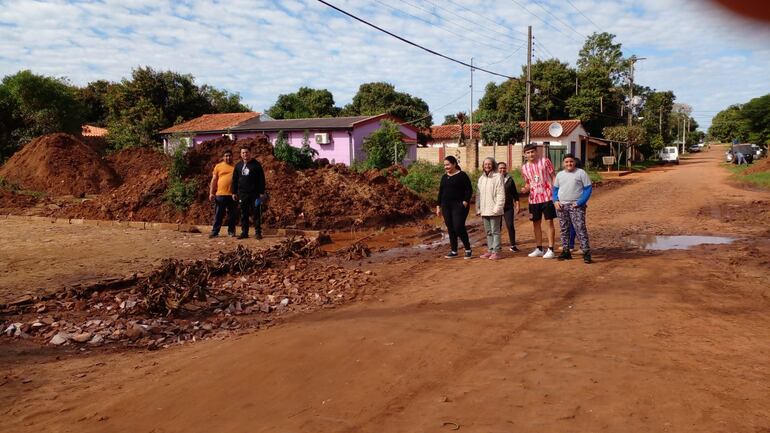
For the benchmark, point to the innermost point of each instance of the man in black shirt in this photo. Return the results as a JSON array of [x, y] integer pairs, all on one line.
[[248, 188]]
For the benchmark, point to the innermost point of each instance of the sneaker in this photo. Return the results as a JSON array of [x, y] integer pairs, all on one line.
[[485, 255], [565, 255], [494, 256], [468, 254], [549, 254], [231, 234], [213, 235], [537, 252], [258, 236], [587, 257], [451, 255], [243, 236], [514, 249]]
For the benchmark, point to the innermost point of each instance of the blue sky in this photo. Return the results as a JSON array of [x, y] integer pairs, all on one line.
[[263, 48]]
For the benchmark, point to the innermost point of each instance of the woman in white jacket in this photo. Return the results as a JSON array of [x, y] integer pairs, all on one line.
[[490, 201]]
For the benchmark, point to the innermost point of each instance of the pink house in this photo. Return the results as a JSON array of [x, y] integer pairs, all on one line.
[[338, 139]]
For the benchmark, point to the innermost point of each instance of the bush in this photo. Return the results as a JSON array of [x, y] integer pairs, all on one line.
[[423, 178], [297, 157], [180, 193], [384, 147]]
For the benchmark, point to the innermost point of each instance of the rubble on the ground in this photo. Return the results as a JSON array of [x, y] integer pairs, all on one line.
[[189, 301]]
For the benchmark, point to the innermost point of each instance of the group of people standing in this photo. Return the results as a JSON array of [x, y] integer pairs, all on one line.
[[242, 184], [497, 201]]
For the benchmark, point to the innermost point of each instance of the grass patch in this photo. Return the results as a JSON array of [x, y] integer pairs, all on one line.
[[761, 179], [595, 176], [644, 165]]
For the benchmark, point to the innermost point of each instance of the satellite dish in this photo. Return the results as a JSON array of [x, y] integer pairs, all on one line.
[[555, 129]]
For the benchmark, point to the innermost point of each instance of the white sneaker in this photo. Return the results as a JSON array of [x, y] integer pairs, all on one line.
[[549, 254], [537, 252]]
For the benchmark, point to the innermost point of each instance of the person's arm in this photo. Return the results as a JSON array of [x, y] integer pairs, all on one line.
[[468, 190], [234, 184], [440, 194], [213, 185], [500, 195], [555, 193], [261, 184], [552, 172], [587, 190]]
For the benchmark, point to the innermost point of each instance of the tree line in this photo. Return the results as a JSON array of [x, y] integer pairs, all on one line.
[[749, 122]]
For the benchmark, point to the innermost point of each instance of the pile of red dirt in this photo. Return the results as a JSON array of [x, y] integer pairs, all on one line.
[[760, 166], [331, 197], [139, 198], [323, 198], [59, 164]]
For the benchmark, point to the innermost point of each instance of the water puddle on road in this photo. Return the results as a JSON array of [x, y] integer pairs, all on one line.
[[659, 243]]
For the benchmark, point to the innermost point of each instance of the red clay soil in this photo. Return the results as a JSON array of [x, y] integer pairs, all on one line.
[[59, 164], [320, 198], [328, 197], [11, 200], [759, 166]]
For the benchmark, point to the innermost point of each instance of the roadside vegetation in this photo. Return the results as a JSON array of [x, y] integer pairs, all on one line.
[[180, 193], [759, 179]]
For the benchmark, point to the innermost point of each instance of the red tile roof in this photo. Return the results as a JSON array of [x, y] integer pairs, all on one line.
[[539, 128], [92, 131], [211, 122], [452, 132]]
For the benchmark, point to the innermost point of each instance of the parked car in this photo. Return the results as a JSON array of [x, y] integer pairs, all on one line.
[[746, 149], [669, 154], [694, 148], [759, 152]]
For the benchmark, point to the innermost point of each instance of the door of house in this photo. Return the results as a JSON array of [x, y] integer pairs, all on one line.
[[555, 154]]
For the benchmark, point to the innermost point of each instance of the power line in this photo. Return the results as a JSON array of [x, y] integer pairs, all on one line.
[[439, 108], [542, 20], [456, 22], [584, 15], [482, 16], [439, 27], [569, 26], [540, 44], [435, 53], [511, 55]]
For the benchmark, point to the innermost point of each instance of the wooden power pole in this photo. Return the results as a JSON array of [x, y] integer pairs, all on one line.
[[529, 86]]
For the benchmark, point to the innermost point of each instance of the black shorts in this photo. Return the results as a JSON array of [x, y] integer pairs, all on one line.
[[538, 211]]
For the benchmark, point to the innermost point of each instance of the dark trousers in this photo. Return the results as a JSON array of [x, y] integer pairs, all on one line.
[[454, 218], [222, 204], [508, 219], [248, 208]]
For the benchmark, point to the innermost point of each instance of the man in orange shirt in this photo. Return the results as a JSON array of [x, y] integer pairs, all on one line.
[[219, 193]]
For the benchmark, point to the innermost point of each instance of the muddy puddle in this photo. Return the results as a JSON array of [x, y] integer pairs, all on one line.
[[661, 243]]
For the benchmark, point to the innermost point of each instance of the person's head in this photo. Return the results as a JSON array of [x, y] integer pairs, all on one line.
[[450, 164], [502, 168], [569, 162], [245, 153], [227, 156], [489, 165], [530, 152]]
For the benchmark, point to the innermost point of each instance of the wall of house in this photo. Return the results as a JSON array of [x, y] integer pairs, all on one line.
[[360, 133], [337, 151], [511, 155]]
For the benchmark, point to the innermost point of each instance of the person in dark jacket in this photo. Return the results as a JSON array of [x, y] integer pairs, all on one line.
[[248, 189], [511, 207], [454, 197]]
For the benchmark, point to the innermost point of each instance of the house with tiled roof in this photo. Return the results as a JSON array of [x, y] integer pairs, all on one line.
[[556, 137], [338, 139], [204, 128]]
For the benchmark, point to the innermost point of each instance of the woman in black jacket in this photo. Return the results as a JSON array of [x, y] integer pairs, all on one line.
[[454, 197]]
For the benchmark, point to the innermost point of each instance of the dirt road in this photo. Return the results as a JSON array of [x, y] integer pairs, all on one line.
[[639, 341]]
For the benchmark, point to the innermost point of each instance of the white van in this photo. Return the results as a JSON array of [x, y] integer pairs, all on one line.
[[669, 154]]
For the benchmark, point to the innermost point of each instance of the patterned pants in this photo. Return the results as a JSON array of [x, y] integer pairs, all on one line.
[[573, 216]]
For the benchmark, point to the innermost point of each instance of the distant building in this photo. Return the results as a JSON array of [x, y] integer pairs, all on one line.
[[338, 139]]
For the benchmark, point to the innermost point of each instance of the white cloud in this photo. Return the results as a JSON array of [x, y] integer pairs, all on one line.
[[263, 48]]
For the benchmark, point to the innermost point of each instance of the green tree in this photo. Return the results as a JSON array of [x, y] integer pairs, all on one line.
[[450, 119], [94, 99], [379, 97], [384, 147], [500, 132], [304, 103], [297, 157], [756, 112], [729, 124], [601, 53], [34, 105], [632, 136]]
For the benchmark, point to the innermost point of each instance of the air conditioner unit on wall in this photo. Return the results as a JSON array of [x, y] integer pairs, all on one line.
[[322, 138]]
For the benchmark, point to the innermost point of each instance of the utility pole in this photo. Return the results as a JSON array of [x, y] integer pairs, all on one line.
[[660, 121], [529, 85], [470, 126], [633, 61]]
